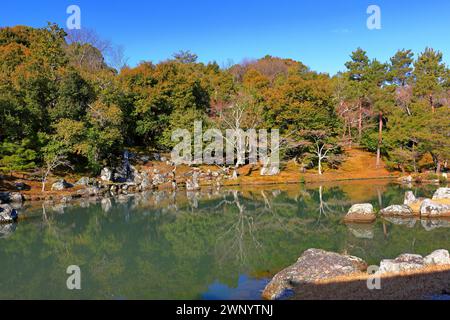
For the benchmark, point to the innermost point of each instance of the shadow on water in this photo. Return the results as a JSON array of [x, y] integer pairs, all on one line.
[[213, 244]]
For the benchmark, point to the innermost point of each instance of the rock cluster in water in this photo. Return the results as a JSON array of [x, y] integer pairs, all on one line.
[[316, 264]]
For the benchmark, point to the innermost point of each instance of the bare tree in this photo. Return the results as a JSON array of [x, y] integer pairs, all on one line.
[[51, 163]]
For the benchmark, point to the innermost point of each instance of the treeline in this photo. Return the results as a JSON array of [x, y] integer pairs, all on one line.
[[61, 104]]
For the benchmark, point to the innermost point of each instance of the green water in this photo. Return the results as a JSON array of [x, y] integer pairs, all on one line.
[[210, 245]]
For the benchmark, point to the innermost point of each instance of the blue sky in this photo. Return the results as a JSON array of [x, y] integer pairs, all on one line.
[[320, 33]]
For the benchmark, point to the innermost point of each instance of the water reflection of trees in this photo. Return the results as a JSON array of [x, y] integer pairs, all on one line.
[[173, 245]]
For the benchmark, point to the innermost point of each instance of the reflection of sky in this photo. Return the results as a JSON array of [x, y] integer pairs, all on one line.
[[247, 289]]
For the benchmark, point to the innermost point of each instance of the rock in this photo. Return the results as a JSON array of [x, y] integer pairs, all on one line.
[[84, 181], [404, 262], [362, 213], [66, 199], [398, 210], [442, 193], [157, 179], [410, 198], [21, 186], [6, 230], [313, 265], [88, 192], [438, 257], [16, 197], [406, 180], [432, 209], [7, 214], [4, 197], [61, 185], [106, 175], [145, 184]]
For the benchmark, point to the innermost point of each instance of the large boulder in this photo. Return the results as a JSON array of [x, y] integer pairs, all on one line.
[[442, 193], [61, 185], [438, 257], [361, 213], [404, 262], [7, 214], [313, 265], [397, 211], [431, 209]]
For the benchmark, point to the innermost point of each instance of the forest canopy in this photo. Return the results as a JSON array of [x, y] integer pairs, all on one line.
[[60, 97]]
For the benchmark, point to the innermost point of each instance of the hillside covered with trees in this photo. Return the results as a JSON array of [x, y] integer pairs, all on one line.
[[62, 104]]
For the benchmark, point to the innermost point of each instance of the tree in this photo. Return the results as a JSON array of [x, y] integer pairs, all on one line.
[[430, 74], [55, 156]]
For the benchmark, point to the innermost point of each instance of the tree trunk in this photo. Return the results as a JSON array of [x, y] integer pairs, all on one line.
[[360, 121], [438, 167], [380, 139], [320, 165]]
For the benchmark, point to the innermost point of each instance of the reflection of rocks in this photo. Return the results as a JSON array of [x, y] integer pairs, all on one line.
[[397, 211], [106, 204], [430, 225], [361, 231], [407, 222], [313, 265], [6, 230], [361, 213]]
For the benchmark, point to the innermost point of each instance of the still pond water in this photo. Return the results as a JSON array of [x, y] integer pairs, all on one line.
[[208, 245]]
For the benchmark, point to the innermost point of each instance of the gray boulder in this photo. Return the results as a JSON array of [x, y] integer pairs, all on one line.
[[404, 262], [61, 185], [442, 193], [84, 181], [7, 214], [432, 209], [410, 198], [397, 210], [361, 213], [313, 265], [438, 257]]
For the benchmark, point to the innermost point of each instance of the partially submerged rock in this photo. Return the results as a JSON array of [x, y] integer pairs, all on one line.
[[313, 265], [438, 257], [398, 211], [7, 214], [442, 193], [408, 262], [361, 213], [432, 209], [404, 262]]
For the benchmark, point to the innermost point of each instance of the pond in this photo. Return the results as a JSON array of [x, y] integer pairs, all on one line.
[[214, 244]]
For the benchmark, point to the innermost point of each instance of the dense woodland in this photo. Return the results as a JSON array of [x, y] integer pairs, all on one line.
[[63, 105]]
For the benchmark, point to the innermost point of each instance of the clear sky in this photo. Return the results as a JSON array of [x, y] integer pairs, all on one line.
[[320, 33]]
